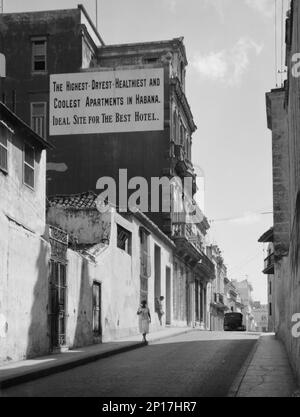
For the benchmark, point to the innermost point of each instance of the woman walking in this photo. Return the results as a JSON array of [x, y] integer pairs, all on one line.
[[144, 319]]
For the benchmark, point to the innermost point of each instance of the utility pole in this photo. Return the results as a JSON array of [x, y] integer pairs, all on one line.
[[96, 14]]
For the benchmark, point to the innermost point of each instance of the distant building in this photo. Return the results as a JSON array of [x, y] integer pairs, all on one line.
[[217, 294], [232, 297], [268, 238], [260, 314], [245, 289]]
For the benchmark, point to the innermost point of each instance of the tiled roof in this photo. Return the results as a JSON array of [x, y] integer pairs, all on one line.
[[74, 201]]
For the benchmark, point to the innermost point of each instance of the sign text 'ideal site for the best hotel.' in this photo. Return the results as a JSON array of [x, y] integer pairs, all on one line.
[[107, 102]]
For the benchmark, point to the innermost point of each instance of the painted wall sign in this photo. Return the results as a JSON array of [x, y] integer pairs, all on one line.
[[107, 101]]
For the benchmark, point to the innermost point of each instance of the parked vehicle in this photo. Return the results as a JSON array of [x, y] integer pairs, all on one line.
[[234, 322]]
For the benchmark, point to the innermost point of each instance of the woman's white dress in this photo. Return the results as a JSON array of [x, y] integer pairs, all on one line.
[[144, 320]]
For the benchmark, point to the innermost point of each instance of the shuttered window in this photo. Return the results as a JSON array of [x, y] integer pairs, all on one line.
[[29, 165], [97, 308], [124, 239], [38, 118], [39, 55]]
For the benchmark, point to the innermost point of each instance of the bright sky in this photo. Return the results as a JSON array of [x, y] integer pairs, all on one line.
[[230, 48]]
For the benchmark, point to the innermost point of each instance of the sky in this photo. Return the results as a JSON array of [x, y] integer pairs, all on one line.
[[230, 47]]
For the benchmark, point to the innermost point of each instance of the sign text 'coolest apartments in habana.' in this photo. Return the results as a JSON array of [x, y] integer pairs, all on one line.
[[107, 102]]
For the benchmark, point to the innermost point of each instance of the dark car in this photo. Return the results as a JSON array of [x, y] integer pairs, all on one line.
[[234, 322]]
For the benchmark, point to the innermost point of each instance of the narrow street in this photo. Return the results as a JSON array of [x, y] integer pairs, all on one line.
[[150, 190], [196, 364]]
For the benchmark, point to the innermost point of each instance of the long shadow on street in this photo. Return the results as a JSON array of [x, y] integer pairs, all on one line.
[[182, 366]]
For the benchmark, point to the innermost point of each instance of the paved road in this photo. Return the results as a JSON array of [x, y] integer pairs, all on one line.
[[199, 364]]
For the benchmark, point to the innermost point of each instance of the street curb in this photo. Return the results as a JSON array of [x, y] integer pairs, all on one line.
[[40, 373], [235, 387]]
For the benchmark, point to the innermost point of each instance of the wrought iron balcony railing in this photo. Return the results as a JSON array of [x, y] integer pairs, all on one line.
[[186, 231], [269, 265], [218, 298]]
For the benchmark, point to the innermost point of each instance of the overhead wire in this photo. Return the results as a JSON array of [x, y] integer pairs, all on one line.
[[276, 57]]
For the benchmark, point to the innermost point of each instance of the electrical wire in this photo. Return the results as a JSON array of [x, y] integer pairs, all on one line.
[[241, 266], [282, 43], [276, 58], [228, 219]]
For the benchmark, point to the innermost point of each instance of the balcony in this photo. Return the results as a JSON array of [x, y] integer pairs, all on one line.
[[186, 231], [188, 241], [269, 265], [218, 301], [183, 166]]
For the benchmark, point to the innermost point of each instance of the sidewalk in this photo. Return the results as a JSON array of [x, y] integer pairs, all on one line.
[[27, 370], [266, 373]]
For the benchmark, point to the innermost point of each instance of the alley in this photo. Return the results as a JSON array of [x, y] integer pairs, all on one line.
[[199, 364]]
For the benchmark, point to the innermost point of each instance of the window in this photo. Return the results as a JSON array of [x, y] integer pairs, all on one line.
[[270, 288], [29, 165], [174, 126], [157, 271], [97, 309], [3, 148], [88, 53], [57, 303], [270, 309], [188, 146], [182, 134], [38, 118], [124, 239], [39, 55], [151, 60]]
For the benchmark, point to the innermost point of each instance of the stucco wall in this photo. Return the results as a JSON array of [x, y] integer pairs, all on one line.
[[119, 275], [18, 201], [284, 122], [88, 226], [23, 293]]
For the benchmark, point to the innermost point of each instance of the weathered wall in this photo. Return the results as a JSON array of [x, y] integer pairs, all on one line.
[[118, 273], [272, 300], [121, 281], [23, 293], [181, 281], [88, 226], [21, 203], [284, 121], [24, 255], [277, 122], [64, 53]]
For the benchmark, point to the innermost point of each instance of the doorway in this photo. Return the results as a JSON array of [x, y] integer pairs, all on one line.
[[157, 271], [168, 295], [58, 290], [97, 329]]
